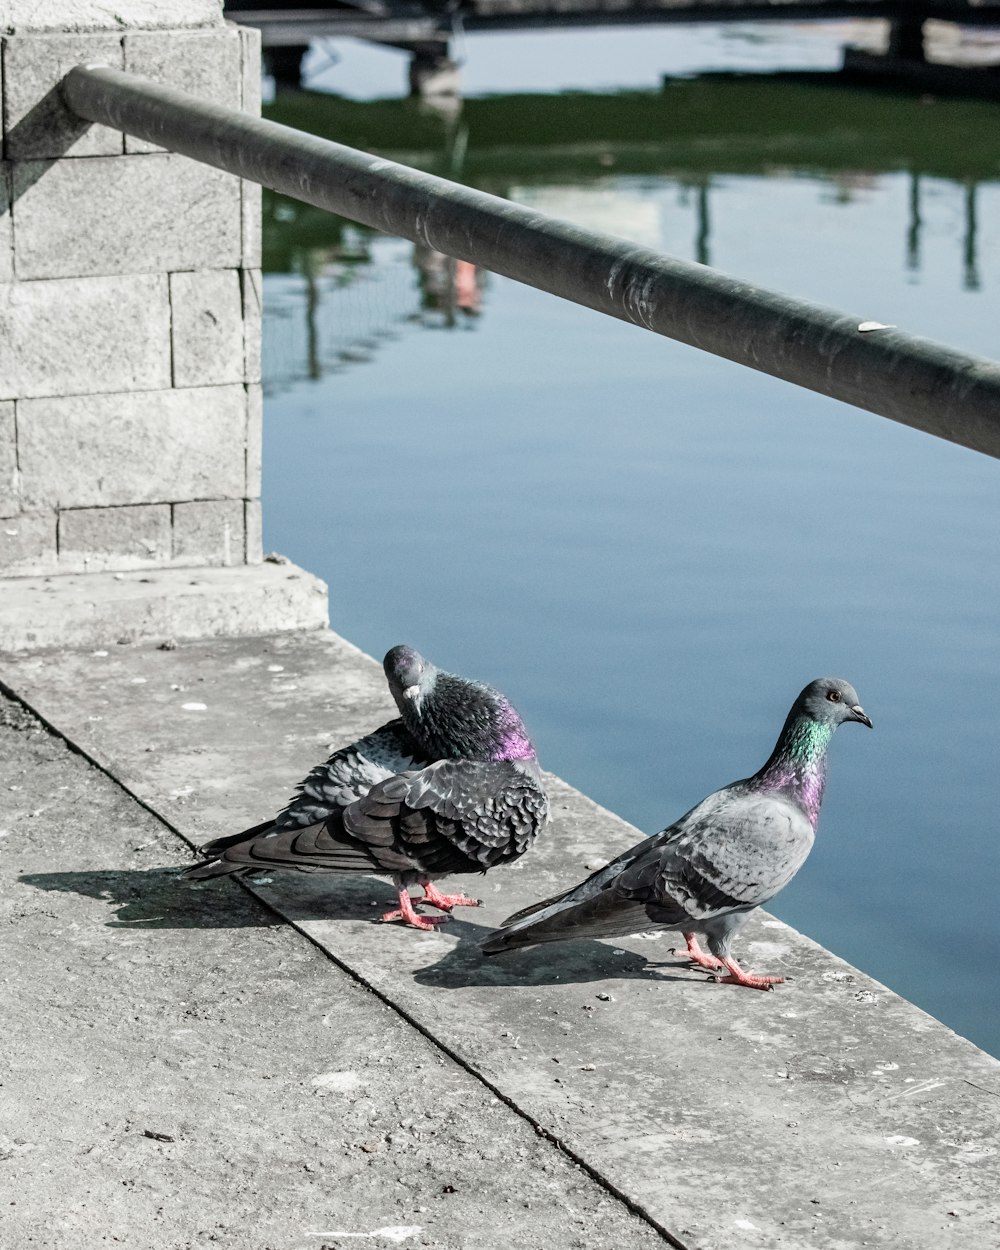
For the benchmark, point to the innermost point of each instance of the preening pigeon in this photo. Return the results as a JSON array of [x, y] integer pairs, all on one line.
[[452, 785], [708, 871]]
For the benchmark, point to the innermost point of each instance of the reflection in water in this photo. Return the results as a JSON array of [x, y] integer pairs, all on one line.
[[913, 229], [337, 308], [972, 282], [609, 162], [447, 286], [701, 248]]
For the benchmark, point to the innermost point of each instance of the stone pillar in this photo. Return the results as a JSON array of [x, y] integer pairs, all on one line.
[[130, 308]]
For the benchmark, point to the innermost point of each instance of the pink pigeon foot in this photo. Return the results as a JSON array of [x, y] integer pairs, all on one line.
[[409, 917], [738, 977], [694, 952], [447, 901]]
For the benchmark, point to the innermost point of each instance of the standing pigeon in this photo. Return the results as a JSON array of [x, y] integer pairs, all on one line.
[[452, 785], [706, 873]]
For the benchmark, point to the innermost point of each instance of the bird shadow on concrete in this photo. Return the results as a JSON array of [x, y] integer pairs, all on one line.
[[154, 898], [563, 963], [159, 898]]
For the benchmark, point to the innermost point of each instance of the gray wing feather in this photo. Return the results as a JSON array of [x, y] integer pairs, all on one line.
[[731, 853], [490, 811], [350, 773]]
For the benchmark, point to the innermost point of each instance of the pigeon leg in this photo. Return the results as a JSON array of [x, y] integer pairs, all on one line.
[[447, 901], [408, 916], [694, 952], [738, 977]]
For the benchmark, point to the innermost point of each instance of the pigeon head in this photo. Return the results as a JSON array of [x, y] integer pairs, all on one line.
[[452, 717], [830, 701], [797, 765], [411, 678]]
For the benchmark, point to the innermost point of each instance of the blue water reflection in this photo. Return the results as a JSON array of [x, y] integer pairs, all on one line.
[[652, 550]]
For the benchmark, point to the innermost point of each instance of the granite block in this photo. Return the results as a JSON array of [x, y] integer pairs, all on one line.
[[207, 327], [209, 531], [158, 447], [136, 214], [37, 123], [28, 544], [98, 539], [80, 336], [205, 64]]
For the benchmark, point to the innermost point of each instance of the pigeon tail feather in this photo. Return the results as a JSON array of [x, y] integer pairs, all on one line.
[[606, 915]]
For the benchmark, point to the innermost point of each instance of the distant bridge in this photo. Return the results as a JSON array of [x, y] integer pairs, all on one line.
[[425, 27]]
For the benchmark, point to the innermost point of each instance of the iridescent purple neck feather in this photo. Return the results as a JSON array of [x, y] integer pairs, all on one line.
[[460, 719], [797, 765]]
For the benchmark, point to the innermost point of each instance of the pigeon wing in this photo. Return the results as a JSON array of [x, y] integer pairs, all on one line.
[[331, 786], [455, 815], [351, 772], [732, 853]]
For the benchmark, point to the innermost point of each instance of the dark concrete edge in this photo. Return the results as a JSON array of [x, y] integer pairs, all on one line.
[[107, 768]]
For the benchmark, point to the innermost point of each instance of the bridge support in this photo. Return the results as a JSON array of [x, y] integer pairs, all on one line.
[[906, 36], [130, 399], [284, 64]]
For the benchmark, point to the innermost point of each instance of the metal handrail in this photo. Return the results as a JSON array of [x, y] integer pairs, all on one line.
[[915, 381]]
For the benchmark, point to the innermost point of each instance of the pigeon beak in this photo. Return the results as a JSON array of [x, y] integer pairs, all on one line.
[[411, 692], [858, 713]]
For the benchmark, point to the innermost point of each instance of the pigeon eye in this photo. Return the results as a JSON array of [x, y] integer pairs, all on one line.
[[833, 696]]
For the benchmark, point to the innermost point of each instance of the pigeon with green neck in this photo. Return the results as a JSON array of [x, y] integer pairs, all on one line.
[[452, 785], [705, 874]]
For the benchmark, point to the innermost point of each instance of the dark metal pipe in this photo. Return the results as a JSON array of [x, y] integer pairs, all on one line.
[[915, 381]]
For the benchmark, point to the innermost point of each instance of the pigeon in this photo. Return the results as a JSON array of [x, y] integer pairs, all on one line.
[[450, 786], [705, 873]]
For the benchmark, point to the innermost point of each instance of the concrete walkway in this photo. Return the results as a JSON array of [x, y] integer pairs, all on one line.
[[182, 1070], [827, 1114]]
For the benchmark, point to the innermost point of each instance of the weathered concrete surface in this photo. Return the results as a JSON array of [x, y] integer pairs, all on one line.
[[826, 1115], [6, 232], [103, 609], [27, 544], [207, 64], [211, 532], [78, 336], [207, 329], [180, 1070], [38, 124], [93, 539], [176, 445], [8, 461], [113, 216]]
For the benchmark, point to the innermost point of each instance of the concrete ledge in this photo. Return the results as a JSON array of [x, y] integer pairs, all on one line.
[[100, 609], [197, 1075], [830, 1114]]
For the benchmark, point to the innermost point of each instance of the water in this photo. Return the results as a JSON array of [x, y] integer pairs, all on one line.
[[650, 549]]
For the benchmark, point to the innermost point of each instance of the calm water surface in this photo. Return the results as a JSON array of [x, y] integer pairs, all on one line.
[[650, 549]]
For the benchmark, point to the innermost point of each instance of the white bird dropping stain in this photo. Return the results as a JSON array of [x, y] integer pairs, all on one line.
[[194, 707], [338, 1083], [394, 1232]]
